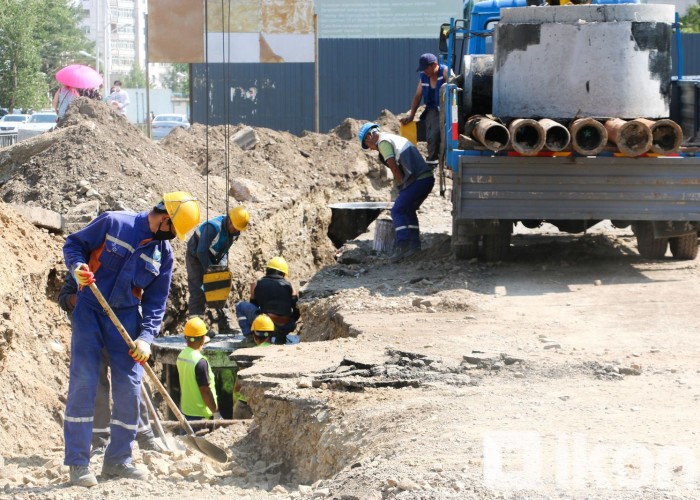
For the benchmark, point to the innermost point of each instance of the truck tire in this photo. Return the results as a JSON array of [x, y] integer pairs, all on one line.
[[468, 250], [684, 247], [496, 247], [648, 246]]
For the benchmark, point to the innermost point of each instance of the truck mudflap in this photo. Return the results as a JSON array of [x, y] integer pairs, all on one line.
[[577, 188]]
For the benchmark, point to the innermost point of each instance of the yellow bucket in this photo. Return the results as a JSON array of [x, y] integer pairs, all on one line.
[[217, 286], [410, 132]]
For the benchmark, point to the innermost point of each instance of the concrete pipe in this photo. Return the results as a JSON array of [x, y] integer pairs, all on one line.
[[588, 136], [666, 136], [632, 138], [556, 135], [493, 135]]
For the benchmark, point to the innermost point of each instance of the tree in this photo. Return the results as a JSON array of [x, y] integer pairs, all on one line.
[[37, 38], [177, 79], [691, 20], [136, 79]]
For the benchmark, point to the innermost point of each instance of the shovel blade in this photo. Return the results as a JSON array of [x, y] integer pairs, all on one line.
[[209, 449]]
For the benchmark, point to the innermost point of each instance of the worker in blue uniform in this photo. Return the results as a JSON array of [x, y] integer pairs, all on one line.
[[432, 76], [129, 258], [413, 177], [208, 246]]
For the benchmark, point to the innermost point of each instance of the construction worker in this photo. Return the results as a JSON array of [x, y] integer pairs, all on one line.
[[272, 295], [262, 330], [208, 247], [414, 179], [67, 297], [433, 76], [197, 383], [127, 256]]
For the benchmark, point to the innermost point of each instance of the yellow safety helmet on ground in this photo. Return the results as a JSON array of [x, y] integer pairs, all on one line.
[[183, 210], [195, 328], [279, 264], [239, 217], [262, 326]]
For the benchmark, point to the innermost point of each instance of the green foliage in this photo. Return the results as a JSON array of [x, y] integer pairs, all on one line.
[[136, 79], [177, 79], [37, 38], [691, 20]]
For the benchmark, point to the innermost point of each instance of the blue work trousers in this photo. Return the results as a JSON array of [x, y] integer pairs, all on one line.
[[246, 312], [404, 213], [93, 330]]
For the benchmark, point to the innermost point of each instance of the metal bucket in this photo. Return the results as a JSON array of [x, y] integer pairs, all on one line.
[[349, 220]]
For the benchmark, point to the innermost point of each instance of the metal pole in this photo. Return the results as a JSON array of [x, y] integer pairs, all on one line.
[[148, 87], [316, 99]]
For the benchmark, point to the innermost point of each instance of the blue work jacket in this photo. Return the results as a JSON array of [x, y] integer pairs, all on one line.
[[131, 268]]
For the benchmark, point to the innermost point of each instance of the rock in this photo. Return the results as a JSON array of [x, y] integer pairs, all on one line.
[[40, 217], [305, 490], [246, 190], [279, 489], [408, 485], [552, 345], [246, 138], [322, 493]]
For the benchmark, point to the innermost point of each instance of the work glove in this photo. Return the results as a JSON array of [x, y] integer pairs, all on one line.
[[141, 351], [83, 276], [217, 416]]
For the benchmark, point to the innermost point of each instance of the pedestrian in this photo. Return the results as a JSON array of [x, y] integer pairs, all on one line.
[[263, 330], [127, 256], [62, 98], [67, 298], [208, 246], [119, 98], [414, 179], [197, 383], [274, 296], [431, 78]]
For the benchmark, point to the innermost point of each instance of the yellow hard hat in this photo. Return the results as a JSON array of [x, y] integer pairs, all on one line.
[[262, 326], [183, 210], [195, 328], [279, 264], [239, 218]]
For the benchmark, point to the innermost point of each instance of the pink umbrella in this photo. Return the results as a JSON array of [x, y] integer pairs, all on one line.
[[79, 76]]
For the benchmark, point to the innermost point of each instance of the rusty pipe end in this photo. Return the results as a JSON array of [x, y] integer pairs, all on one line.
[[556, 135], [588, 136], [527, 136]]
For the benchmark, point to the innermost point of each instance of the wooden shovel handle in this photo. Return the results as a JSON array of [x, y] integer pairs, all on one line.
[[149, 371]]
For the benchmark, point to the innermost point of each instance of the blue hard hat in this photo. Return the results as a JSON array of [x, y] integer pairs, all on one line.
[[363, 132]]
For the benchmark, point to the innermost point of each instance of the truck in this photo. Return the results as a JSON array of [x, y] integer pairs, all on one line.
[[562, 114]]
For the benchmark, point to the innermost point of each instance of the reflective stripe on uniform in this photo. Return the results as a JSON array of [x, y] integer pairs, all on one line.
[[79, 420], [125, 426], [94, 430], [401, 228], [188, 361], [119, 242], [150, 260]]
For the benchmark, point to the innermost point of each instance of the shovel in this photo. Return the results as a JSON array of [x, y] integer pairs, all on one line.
[[198, 443]]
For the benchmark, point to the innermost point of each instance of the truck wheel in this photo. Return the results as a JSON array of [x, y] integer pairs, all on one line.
[[684, 247], [467, 250], [496, 246], [648, 246]]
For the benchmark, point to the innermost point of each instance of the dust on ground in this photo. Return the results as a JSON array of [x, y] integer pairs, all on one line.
[[568, 371]]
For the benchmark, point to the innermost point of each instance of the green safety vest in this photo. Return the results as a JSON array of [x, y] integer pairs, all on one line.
[[191, 401]]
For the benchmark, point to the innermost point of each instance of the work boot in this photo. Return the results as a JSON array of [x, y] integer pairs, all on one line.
[[399, 253], [80, 475], [97, 450], [151, 445], [224, 323], [126, 471]]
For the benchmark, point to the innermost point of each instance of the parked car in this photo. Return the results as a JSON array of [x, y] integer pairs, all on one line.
[[37, 124], [9, 123], [163, 124]]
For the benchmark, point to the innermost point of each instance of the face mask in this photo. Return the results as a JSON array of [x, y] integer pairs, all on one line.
[[164, 235]]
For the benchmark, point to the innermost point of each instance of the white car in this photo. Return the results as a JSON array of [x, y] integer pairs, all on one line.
[[38, 123], [9, 123], [163, 124]]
